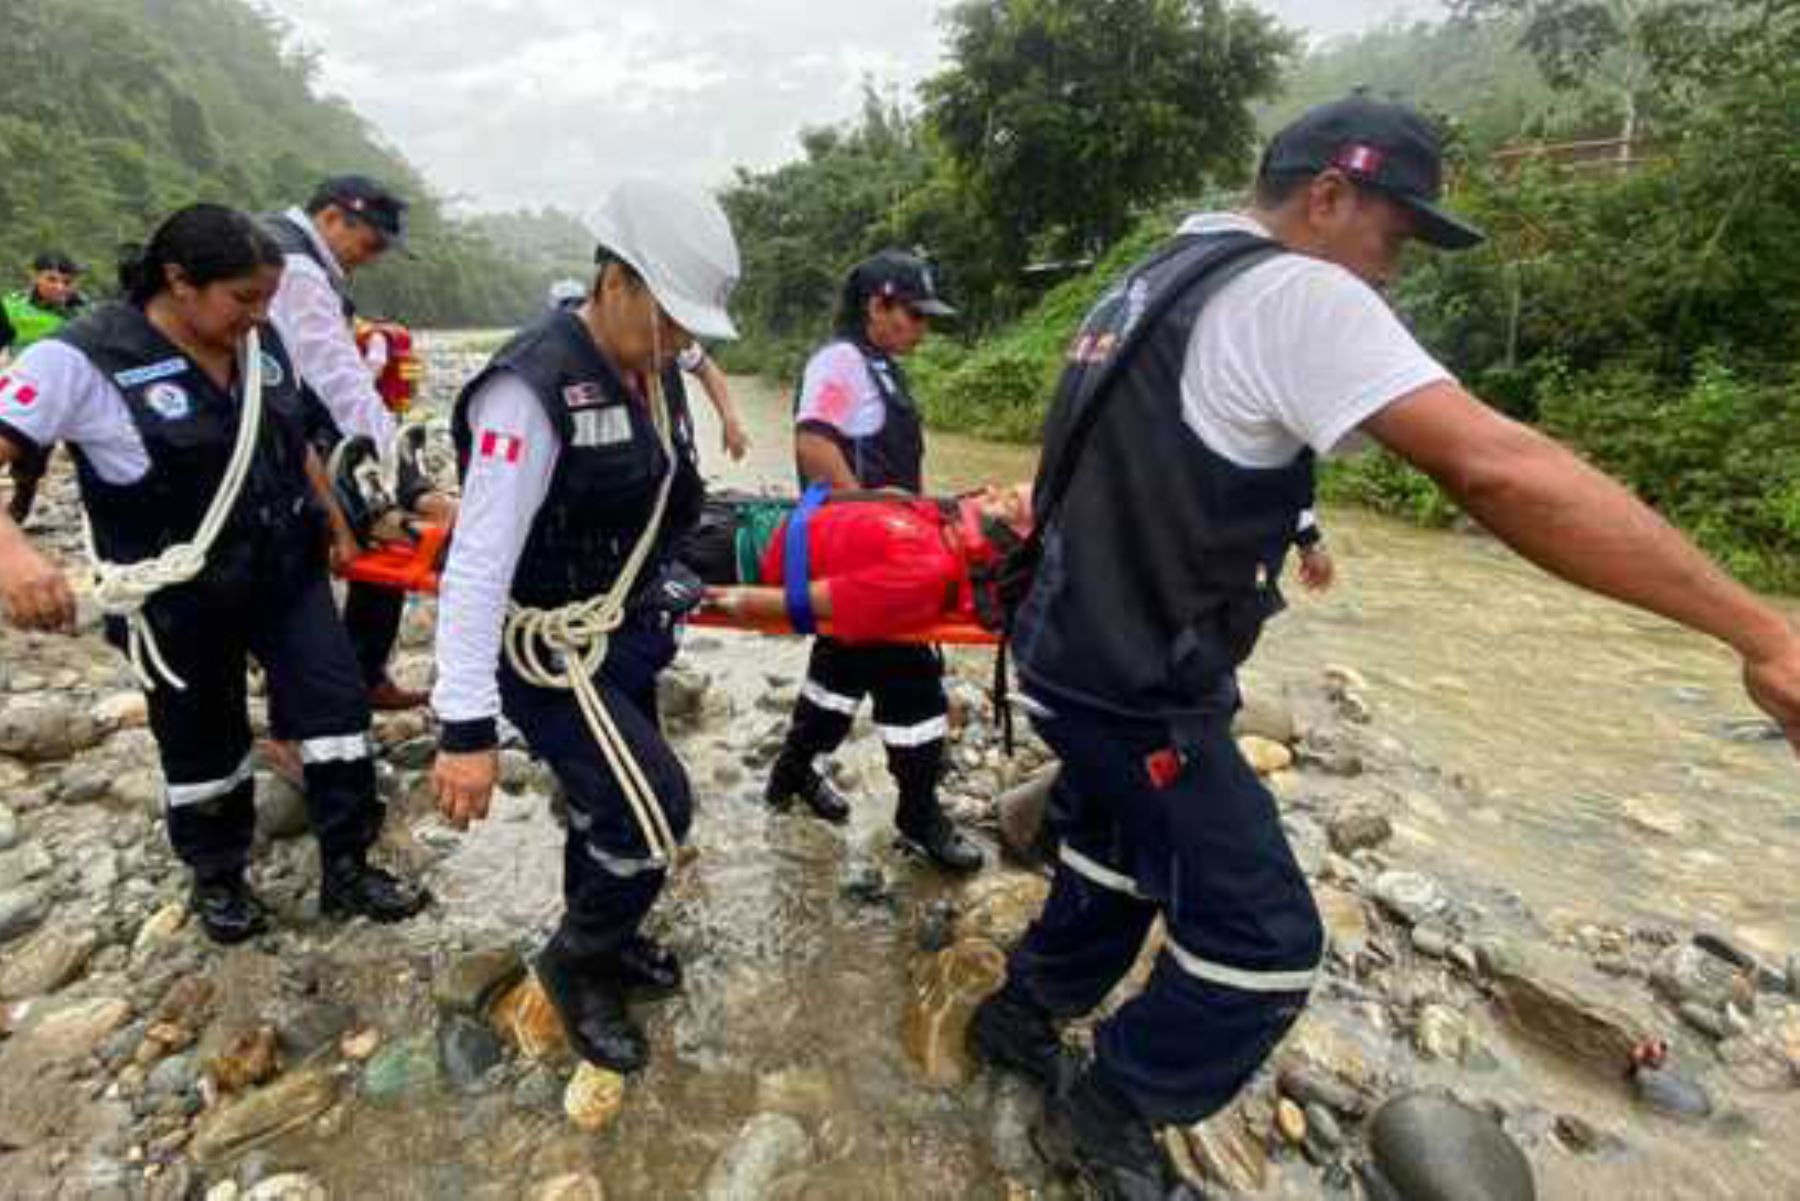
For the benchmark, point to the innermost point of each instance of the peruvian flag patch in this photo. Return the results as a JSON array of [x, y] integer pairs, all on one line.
[[1360, 160], [505, 447], [18, 390]]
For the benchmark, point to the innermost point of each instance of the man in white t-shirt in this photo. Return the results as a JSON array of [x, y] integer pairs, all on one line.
[[1197, 395]]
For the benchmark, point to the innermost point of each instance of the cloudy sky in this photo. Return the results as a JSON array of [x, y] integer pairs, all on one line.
[[507, 103]]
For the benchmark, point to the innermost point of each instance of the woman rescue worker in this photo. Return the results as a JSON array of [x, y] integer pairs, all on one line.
[[150, 393], [579, 476]]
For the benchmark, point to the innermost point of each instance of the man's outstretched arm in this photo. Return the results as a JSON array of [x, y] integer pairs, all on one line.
[[1577, 523]]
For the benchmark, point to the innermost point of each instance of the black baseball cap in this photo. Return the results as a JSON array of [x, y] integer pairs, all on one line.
[[366, 199], [1380, 144], [898, 276]]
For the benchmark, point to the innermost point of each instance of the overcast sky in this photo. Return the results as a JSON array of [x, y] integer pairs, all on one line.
[[508, 103]]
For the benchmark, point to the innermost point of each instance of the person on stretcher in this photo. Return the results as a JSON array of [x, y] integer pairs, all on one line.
[[878, 566]]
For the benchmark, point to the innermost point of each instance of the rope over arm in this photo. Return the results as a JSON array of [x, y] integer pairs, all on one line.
[[122, 589]]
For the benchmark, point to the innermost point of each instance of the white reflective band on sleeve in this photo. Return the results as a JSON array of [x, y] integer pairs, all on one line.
[[1237, 977], [335, 748], [931, 730], [1087, 869], [618, 866], [180, 795], [834, 701]]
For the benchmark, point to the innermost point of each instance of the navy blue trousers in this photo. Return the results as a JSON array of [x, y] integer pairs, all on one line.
[[1157, 821], [609, 879]]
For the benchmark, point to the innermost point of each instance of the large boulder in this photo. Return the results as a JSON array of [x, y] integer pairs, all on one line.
[[1432, 1147], [1557, 1002]]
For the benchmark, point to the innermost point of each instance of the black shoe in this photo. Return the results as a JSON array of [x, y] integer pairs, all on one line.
[[788, 781], [352, 887], [1013, 1032], [937, 838], [1093, 1128], [648, 970], [228, 911], [591, 1003]]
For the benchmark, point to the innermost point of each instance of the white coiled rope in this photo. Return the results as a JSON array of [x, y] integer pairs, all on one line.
[[121, 589], [564, 647]]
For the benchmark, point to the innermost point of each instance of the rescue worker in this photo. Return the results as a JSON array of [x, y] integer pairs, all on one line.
[[147, 393], [857, 427], [349, 223], [875, 569], [579, 477], [1197, 394], [25, 318]]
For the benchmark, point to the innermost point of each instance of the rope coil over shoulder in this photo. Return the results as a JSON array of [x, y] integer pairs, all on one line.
[[563, 648], [122, 589]]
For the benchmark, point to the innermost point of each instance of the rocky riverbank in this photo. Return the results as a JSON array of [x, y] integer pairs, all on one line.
[[816, 1052]]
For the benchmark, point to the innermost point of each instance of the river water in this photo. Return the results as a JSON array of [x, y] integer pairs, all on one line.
[[1596, 763]]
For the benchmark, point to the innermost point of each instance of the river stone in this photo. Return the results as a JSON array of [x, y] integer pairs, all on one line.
[[1671, 1094], [401, 1071], [1432, 1147], [175, 1076], [280, 807], [1021, 810], [141, 791], [122, 711], [1227, 1154], [24, 863], [681, 694], [251, 1057], [9, 828], [1411, 896], [45, 962], [1555, 1001], [470, 1051], [1265, 717], [1312, 1086], [770, 1146], [594, 1097], [75, 1030], [1358, 826], [1442, 1033], [40, 729], [471, 982], [1686, 972], [570, 1186], [997, 906], [947, 986], [1340, 679], [289, 1186], [525, 1018], [1265, 756], [1346, 921]]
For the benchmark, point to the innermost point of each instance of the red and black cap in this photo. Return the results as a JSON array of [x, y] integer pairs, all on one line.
[[1383, 145], [368, 200], [898, 276]]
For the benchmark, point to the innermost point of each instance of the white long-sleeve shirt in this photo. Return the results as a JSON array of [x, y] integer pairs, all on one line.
[[513, 454], [309, 315]]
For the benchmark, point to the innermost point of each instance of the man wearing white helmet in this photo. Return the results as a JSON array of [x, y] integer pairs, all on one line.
[[579, 476]]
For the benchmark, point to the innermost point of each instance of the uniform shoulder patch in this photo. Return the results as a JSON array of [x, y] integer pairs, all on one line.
[[272, 373], [168, 401], [151, 372]]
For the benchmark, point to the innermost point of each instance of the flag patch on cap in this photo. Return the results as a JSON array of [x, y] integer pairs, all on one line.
[[1360, 160]]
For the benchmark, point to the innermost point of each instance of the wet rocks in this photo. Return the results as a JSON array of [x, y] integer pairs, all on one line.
[[42, 728], [75, 1030], [9, 828], [1442, 1033], [280, 807], [265, 1114], [1358, 827], [1431, 1147], [770, 1146], [400, 1072], [1346, 921], [45, 962], [1227, 1154], [525, 1018], [1556, 1002], [570, 1186], [21, 909], [252, 1057], [947, 986], [1688, 973], [471, 982], [1264, 756], [594, 1097], [470, 1051], [997, 906], [1311, 1086], [1021, 811], [681, 694], [1668, 1092], [1412, 897], [288, 1186], [1266, 717]]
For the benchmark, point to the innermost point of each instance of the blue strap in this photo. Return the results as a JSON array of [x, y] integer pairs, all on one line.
[[795, 577]]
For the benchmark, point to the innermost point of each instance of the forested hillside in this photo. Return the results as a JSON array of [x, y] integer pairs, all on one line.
[[113, 112]]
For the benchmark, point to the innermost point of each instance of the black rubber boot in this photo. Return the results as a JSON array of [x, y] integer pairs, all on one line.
[[1092, 1128], [352, 887], [590, 1000], [1011, 1031], [793, 777], [648, 970], [228, 911], [925, 829]]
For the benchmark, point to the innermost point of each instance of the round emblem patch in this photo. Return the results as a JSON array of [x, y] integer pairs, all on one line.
[[273, 375], [168, 401]]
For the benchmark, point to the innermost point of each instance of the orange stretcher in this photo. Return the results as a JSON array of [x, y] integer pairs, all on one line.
[[414, 567]]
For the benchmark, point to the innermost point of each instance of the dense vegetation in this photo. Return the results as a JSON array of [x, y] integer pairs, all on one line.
[[114, 112]]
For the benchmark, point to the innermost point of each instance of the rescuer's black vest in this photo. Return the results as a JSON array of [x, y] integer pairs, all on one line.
[[608, 468], [894, 455], [1159, 565], [189, 425]]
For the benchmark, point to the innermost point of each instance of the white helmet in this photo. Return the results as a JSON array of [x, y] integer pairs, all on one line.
[[680, 241]]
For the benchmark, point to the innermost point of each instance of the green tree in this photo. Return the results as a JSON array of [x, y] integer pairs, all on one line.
[[1067, 116]]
